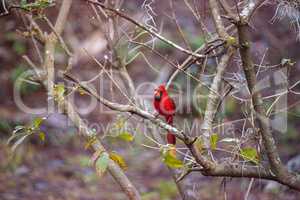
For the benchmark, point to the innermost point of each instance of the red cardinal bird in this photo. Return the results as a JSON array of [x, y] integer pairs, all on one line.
[[165, 106]]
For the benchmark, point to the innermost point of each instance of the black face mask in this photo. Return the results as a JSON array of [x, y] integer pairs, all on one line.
[[158, 96]]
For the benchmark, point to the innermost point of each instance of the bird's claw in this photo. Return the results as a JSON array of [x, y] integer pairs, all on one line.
[[156, 114]]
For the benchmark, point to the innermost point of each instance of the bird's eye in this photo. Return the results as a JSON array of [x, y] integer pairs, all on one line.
[[158, 95]]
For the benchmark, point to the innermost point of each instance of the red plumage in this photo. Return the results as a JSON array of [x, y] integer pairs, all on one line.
[[166, 107]]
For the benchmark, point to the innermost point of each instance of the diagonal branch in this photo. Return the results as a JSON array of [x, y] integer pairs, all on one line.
[[67, 107], [213, 99], [113, 168], [128, 108], [214, 8]]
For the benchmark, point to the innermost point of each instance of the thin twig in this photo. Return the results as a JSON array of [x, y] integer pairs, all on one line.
[[176, 46]]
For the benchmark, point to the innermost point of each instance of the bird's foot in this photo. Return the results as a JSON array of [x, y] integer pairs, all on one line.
[[156, 114]]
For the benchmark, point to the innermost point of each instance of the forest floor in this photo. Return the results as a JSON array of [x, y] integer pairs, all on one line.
[[61, 172]]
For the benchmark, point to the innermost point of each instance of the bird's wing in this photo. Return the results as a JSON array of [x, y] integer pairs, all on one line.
[[172, 103]]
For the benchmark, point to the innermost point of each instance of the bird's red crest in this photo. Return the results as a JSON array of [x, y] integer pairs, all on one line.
[[161, 88]]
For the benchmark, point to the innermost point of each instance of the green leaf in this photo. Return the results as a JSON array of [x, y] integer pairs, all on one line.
[[169, 158], [102, 163], [213, 141], [5, 126], [42, 136], [197, 42], [38, 4], [23, 3], [19, 47], [37, 122], [18, 128], [249, 154], [59, 91], [21, 77], [167, 189], [162, 45], [17, 72], [150, 196], [231, 41], [172, 162], [118, 159], [126, 136], [132, 55]]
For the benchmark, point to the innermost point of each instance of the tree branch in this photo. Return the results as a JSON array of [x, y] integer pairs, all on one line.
[[113, 168], [124, 16], [128, 108], [68, 108], [213, 5], [213, 99], [262, 121]]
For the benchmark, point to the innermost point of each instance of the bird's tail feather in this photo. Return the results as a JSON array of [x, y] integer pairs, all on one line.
[[171, 139]]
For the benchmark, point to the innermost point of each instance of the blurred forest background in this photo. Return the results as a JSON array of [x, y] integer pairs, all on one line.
[[59, 167]]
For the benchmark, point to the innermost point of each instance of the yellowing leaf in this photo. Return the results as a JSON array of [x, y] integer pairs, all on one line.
[[249, 154], [172, 162], [118, 159], [42, 136], [81, 91], [169, 158], [231, 41], [126, 136], [59, 91], [102, 163], [213, 141], [172, 150], [37, 122]]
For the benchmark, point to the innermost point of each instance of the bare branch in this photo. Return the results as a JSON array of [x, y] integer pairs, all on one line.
[[213, 99], [64, 105], [262, 121], [213, 4], [128, 108]]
